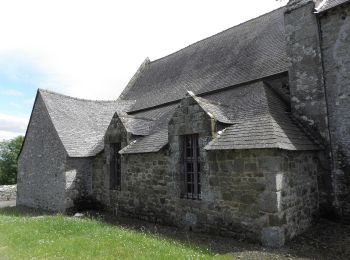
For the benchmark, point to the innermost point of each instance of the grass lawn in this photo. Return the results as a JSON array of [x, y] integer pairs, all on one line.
[[24, 236], [62, 237]]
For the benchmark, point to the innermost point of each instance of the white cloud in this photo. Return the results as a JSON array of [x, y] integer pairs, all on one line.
[[5, 135], [92, 48], [11, 92], [13, 124]]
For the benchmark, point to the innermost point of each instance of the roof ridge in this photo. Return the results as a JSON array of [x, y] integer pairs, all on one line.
[[75, 98], [202, 40]]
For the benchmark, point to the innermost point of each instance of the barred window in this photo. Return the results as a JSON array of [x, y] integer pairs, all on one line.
[[115, 167], [191, 167]]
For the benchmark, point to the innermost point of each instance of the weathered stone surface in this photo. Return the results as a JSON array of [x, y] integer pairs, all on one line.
[[41, 165], [273, 237], [307, 88], [335, 31], [47, 177], [270, 202], [78, 175], [8, 192], [243, 191]]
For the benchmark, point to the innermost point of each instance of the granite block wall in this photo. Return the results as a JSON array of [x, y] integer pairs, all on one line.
[[41, 165], [306, 83], [305, 72], [335, 41], [265, 195], [8, 192], [78, 178]]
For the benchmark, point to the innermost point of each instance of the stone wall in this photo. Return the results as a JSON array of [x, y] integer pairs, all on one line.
[[100, 180], [116, 133], [147, 188], [8, 192], [306, 83], [335, 31], [78, 176], [305, 71], [265, 194], [41, 164]]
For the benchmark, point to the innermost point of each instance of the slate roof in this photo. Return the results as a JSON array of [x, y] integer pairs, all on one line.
[[149, 144], [328, 4], [80, 124], [258, 119], [219, 72], [249, 51], [267, 131], [216, 110], [136, 125]]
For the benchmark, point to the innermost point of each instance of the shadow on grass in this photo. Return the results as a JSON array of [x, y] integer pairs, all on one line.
[[325, 240]]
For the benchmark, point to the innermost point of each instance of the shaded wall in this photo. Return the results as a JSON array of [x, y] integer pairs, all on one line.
[[306, 83], [335, 39], [101, 190], [41, 164], [78, 176]]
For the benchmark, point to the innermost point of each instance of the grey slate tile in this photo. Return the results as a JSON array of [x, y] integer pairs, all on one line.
[[243, 53]]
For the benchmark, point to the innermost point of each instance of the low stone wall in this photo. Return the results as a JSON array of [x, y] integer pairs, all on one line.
[[8, 192]]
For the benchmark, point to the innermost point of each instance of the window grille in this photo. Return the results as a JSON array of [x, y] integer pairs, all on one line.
[[191, 167]]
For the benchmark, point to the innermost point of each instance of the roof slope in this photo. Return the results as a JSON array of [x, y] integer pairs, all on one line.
[[249, 51], [258, 119], [268, 125], [80, 124], [328, 4], [267, 131], [148, 144]]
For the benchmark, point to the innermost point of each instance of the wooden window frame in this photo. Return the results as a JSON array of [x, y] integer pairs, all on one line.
[[115, 167], [191, 175]]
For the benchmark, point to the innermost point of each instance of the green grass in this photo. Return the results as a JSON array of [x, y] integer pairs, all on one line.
[[61, 237]]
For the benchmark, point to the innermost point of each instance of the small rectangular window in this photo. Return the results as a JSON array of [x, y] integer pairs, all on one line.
[[191, 167], [115, 166]]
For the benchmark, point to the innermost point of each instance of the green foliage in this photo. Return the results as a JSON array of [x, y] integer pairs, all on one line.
[[9, 151], [60, 237]]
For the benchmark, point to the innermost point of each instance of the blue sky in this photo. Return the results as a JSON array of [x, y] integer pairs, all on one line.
[[91, 49], [18, 86]]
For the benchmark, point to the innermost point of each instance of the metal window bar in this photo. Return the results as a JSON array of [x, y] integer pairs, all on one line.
[[191, 167]]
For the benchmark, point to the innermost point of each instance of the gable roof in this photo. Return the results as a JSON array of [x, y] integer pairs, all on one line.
[[328, 4], [257, 118], [80, 124], [247, 52]]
